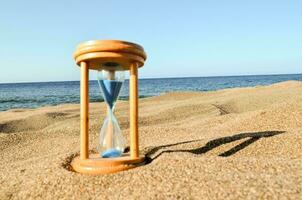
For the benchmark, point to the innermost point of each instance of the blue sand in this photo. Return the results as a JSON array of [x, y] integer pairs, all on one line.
[[111, 90], [111, 153]]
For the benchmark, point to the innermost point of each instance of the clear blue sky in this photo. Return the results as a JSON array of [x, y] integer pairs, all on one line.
[[181, 38]]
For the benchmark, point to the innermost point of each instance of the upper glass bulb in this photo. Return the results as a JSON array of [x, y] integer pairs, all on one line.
[[110, 82]]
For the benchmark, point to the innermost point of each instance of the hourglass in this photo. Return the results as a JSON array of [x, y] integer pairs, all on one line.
[[111, 59]]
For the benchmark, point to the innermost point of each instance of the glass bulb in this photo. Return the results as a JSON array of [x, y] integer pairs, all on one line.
[[111, 141]]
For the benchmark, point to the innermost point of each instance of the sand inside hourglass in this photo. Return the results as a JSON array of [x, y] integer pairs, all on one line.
[[111, 90]]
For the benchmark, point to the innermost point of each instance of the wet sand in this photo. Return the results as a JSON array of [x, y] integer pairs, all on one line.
[[242, 143]]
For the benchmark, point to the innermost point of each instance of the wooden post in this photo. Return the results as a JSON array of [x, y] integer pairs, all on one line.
[[84, 153], [133, 98]]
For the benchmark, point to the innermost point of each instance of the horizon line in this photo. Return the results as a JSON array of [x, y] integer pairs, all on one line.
[[157, 78]]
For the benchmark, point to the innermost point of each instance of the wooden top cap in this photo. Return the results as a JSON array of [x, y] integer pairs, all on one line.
[[102, 54]]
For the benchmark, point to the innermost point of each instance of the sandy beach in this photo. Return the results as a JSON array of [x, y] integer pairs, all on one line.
[[242, 143]]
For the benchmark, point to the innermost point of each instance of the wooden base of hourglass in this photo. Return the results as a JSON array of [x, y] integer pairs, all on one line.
[[96, 165]]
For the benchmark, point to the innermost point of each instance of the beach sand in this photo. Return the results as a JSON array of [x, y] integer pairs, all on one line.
[[242, 143]]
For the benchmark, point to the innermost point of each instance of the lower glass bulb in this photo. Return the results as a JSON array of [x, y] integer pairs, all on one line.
[[111, 141]]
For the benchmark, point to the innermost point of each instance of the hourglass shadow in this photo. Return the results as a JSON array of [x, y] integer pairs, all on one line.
[[253, 137]]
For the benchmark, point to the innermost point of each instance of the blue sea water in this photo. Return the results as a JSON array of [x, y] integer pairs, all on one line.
[[33, 95]]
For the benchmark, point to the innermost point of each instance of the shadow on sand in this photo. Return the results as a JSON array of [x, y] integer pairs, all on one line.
[[253, 137]]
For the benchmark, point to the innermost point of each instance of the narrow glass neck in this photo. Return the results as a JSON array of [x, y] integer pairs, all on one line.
[[110, 111]]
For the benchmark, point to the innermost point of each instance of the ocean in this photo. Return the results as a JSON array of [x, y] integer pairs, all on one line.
[[33, 95]]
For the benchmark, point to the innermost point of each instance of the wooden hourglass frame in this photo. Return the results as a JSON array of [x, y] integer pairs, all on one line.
[[94, 55]]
